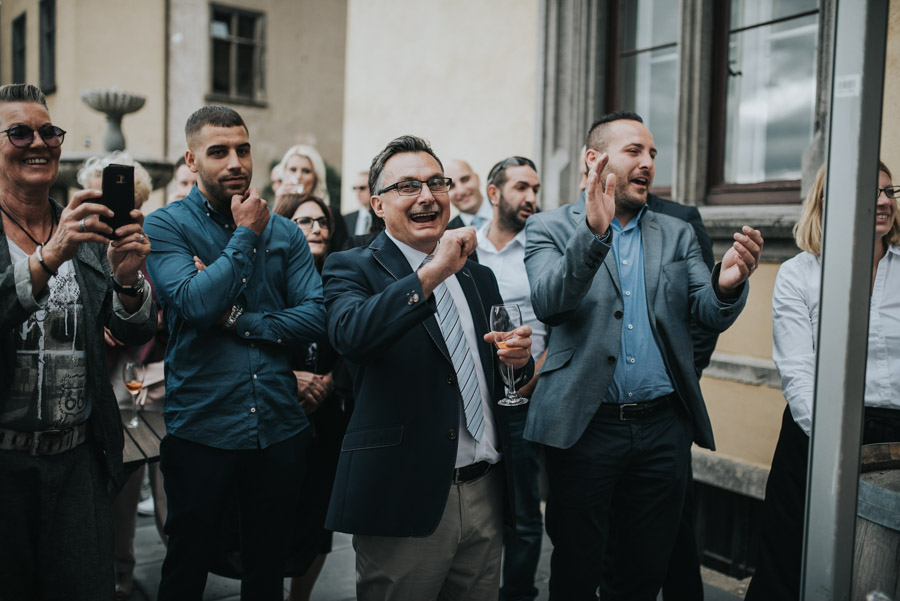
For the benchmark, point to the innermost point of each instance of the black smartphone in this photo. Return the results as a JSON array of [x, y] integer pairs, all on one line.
[[118, 194]]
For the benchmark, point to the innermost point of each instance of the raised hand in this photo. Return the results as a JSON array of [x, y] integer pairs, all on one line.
[[740, 261], [600, 202], [518, 347], [451, 254], [128, 251], [78, 223], [250, 210]]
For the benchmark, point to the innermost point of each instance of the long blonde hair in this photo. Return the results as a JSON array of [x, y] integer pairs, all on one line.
[[318, 165], [808, 229]]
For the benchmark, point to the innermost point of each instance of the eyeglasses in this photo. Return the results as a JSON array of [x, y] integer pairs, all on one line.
[[306, 223], [500, 167], [412, 187], [360, 188], [21, 136], [891, 192]]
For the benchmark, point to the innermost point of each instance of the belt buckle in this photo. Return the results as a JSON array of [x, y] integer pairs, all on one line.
[[622, 417], [36, 440]]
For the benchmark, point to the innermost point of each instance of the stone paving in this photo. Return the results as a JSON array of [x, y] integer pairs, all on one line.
[[337, 581]]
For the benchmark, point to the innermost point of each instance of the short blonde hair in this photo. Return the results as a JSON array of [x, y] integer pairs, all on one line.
[[93, 167], [320, 190], [808, 229]]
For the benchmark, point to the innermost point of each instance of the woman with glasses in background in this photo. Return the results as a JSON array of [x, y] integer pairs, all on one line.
[[327, 405], [61, 281], [795, 327]]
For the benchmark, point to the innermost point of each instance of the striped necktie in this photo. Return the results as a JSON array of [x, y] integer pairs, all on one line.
[[461, 355]]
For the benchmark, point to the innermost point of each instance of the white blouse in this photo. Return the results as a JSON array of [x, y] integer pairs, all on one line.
[[795, 328]]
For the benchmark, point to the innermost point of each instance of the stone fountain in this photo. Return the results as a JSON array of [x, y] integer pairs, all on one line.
[[115, 104]]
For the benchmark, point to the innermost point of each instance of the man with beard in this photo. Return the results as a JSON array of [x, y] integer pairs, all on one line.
[[513, 186], [234, 425], [465, 195], [618, 401], [420, 483]]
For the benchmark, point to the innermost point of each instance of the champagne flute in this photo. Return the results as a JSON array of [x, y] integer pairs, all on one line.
[[505, 319], [133, 376]]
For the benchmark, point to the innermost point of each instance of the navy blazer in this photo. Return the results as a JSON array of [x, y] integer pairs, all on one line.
[[399, 452]]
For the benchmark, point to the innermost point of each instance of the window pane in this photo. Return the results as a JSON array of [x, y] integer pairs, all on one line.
[[221, 67], [648, 23], [648, 85], [246, 27], [750, 12], [771, 97], [245, 70], [220, 26]]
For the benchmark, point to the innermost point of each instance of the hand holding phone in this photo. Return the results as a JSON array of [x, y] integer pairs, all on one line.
[[118, 195]]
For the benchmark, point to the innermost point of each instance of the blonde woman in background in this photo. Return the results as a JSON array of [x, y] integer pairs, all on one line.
[[795, 326], [90, 176]]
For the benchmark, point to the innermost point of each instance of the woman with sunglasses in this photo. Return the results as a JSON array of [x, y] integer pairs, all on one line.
[[327, 405], [61, 282], [795, 316]]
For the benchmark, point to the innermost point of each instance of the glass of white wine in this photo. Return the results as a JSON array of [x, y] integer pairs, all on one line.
[[504, 320], [133, 376]]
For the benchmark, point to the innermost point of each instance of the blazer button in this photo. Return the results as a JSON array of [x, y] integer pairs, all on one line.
[[413, 298], [611, 359], [450, 380], [618, 315], [451, 434]]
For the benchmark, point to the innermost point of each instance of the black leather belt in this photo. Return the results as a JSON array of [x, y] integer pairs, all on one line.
[[46, 442], [471, 472], [627, 412]]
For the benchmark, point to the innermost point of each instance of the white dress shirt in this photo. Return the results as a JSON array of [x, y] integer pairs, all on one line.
[[362, 222], [484, 214], [508, 265], [468, 451], [795, 328]]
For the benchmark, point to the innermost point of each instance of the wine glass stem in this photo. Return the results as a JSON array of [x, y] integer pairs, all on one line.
[[511, 378], [134, 407]]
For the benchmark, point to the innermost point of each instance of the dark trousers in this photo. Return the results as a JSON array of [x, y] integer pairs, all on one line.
[[780, 551], [198, 482], [634, 470], [56, 535], [683, 581], [522, 548]]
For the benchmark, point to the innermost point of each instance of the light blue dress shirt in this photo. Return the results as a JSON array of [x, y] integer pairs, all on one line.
[[640, 373]]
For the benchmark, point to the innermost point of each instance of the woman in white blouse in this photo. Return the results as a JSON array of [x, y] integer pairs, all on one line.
[[795, 324]]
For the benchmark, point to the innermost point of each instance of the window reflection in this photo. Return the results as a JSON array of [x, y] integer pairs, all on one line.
[[648, 74], [771, 90]]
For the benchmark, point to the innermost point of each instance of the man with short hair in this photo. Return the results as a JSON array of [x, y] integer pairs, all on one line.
[[420, 483], [465, 195], [234, 426], [618, 402], [359, 221], [513, 186]]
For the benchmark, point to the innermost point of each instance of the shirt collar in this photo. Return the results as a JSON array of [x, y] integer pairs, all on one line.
[[617, 226], [413, 256]]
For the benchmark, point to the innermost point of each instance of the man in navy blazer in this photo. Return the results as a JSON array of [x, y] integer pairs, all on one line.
[[419, 481], [618, 402]]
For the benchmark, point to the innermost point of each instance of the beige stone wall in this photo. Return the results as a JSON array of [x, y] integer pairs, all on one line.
[[462, 76], [304, 77], [890, 126]]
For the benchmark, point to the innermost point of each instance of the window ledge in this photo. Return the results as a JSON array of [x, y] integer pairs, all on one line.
[[225, 98], [776, 222]]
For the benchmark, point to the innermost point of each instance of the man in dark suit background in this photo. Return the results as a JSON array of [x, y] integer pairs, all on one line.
[[358, 222], [419, 482]]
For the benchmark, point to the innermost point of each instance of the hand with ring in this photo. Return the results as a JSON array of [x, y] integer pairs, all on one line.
[[128, 251], [78, 223]]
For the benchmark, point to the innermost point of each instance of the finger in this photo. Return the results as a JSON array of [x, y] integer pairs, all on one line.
[[519, 342], [746, 254], [88, 209], [610, 184], [83, 196], [523, 331], [600, 164], [755, 235], [747, 242]]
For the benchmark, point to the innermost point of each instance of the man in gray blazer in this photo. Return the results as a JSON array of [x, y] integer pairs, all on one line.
[[618, 402]]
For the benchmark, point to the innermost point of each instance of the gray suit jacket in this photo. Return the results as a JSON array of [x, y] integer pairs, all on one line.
[[576, 290]]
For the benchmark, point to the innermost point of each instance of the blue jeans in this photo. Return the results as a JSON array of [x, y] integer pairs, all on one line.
[[522, 549]]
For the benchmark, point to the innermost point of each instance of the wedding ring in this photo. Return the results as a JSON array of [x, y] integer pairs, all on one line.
[[142, 239], [82, 225]]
